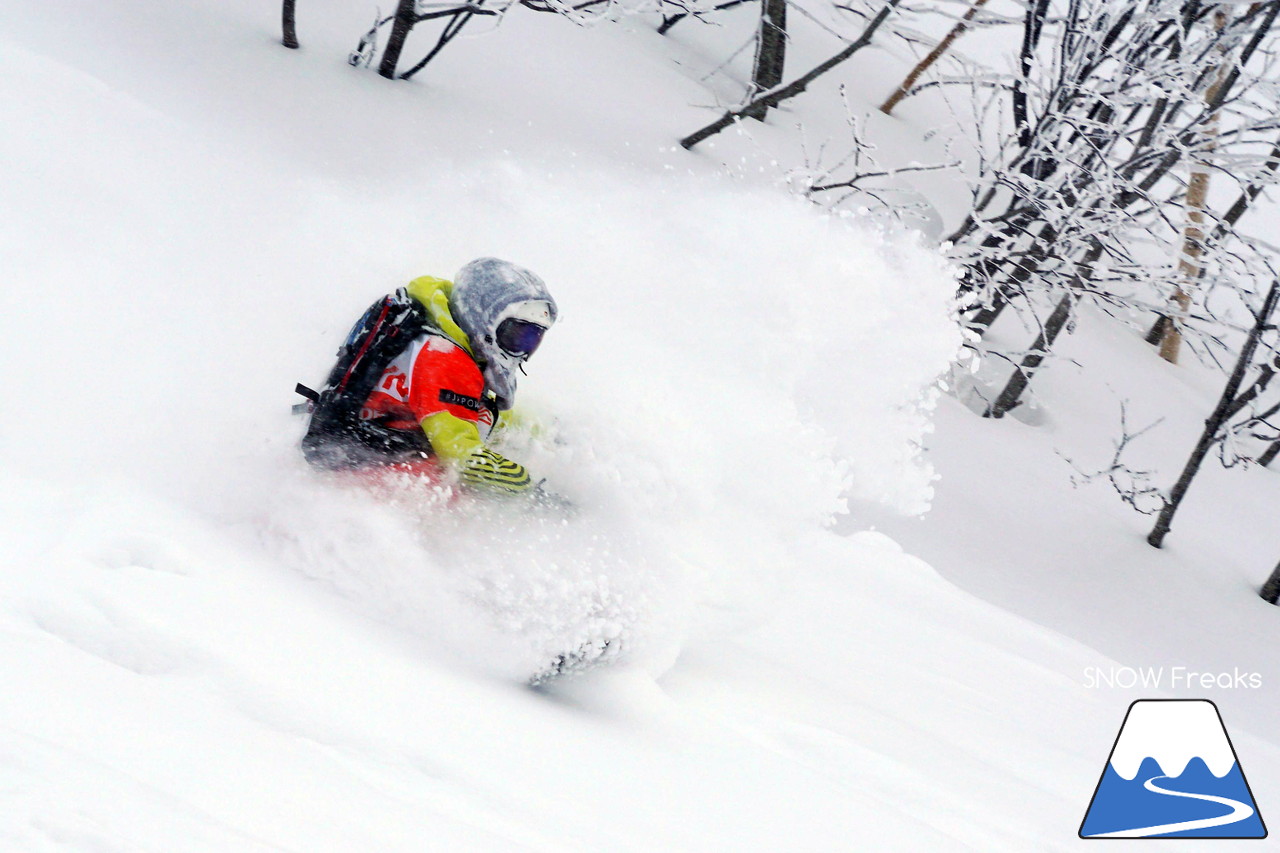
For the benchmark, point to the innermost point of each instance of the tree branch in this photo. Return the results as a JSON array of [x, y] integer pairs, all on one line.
[[776, 96]]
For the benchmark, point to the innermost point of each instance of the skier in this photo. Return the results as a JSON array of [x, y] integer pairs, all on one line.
[[427, 375]]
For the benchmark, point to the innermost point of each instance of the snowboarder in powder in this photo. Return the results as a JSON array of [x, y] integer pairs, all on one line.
[[429, 372]]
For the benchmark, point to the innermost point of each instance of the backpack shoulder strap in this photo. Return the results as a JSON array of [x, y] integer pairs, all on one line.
[[381, 334]]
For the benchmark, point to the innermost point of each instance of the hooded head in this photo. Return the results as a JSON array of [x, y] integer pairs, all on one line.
[[504, 309]]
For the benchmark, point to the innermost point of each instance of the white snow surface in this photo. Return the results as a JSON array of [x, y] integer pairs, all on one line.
[[1172, 733], [205, 646]]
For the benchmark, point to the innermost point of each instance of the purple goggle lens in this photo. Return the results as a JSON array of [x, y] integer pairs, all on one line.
[[519, 337]]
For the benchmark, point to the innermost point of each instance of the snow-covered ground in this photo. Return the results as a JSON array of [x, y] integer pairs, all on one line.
[[205, 647]]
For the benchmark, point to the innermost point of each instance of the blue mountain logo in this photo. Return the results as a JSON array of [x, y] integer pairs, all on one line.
[[1173, 773]]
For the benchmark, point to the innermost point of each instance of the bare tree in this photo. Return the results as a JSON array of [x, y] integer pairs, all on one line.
[[1134, 486], [1070, 205], [1245, 412], [1230, 403], [776, 96]]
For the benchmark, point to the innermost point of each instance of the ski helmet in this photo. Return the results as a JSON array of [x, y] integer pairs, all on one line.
[[505, 310]]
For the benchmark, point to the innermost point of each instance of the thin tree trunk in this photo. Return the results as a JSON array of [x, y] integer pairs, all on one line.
[[1271, 589], [1189, 266], [1021, 377], [933, 56], [771, 52], [406, 13], [1216, 420], [1032, 26], [1269, 454], [777, 96], [290, 39]]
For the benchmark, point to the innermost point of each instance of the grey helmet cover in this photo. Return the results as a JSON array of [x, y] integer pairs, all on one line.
[[485, 292]]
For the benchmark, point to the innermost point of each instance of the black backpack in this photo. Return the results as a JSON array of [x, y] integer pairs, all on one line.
[[336, 436]]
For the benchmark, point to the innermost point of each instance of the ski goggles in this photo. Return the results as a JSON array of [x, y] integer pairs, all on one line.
[[519, 337]]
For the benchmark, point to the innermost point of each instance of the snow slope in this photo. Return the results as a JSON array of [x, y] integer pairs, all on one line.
[[209, 648], [1075, 558]]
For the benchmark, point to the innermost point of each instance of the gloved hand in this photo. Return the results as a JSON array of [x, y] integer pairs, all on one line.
[[493, 471]]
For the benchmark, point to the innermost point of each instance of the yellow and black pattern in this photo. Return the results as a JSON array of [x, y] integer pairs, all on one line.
[[493, 470]]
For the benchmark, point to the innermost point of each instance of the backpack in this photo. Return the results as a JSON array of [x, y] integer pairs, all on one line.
[[336, 436]]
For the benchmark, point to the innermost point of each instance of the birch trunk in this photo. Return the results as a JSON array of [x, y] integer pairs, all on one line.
[[1189, 260]]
